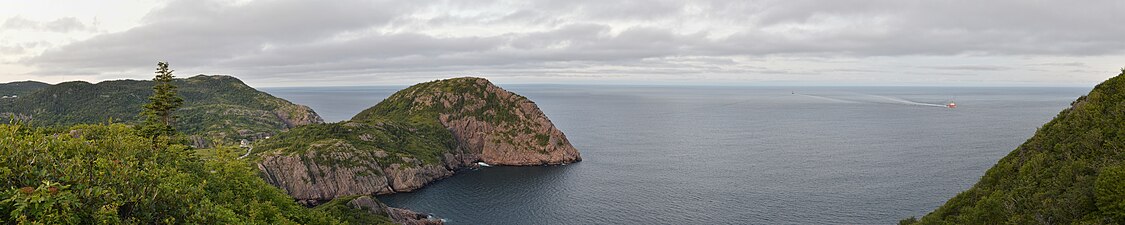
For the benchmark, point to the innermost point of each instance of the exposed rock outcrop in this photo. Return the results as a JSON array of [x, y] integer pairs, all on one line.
[[369, 204], [319, 176], [398, 215], [407, 217], [498, 126], [404, 179], [294, 115]]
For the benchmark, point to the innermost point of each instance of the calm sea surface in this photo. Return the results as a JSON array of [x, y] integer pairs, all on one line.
[[734, 155]]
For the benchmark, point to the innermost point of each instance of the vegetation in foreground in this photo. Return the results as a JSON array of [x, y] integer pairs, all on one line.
[[122, 174], [1072, 171], [110, 174]]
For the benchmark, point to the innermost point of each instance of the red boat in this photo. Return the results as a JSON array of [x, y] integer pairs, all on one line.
[[951, 105]]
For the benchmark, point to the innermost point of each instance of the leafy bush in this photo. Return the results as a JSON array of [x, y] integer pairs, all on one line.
[[1109, 191], [107, 174]]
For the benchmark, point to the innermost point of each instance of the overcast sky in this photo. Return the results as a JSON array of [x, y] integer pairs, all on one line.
[[785, 42]]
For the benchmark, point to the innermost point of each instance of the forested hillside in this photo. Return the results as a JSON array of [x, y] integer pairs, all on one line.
[[215, 107], [1071, 171]]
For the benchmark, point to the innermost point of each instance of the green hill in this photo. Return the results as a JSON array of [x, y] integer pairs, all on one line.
[[215, 107], [1072, 171], [21, 88], [9, 92]]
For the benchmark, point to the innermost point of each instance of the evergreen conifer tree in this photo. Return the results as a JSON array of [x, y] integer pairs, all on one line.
[[158, 113]]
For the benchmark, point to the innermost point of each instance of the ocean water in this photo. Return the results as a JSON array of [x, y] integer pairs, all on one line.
[[734, 155]]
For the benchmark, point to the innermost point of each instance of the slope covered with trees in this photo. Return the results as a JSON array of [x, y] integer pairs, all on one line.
[[1071, 171], [21, 88], [9, 92], [215, 107]]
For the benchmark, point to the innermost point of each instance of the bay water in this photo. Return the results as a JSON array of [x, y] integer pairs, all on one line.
[[734, 155]]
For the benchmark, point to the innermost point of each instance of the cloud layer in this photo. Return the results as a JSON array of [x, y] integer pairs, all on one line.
[[346, 41]]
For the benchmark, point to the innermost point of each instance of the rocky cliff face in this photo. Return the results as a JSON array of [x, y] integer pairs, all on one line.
[[313, 177], [317, 163], [489, 123], [294, 115], [418, 135], [334, 171]]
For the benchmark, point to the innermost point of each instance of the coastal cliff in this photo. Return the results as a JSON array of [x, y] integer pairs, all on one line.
[[420, 134]]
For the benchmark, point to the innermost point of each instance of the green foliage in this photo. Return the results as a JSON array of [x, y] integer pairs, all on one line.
[[423, 103], [1068, 172], [1109, 191], [908, 221], [49, 203], [99, 174], [214, 107], [542, 139]]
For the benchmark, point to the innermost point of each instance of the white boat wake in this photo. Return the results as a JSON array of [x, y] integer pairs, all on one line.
[[869, 98], [827, 98], [904, 101]]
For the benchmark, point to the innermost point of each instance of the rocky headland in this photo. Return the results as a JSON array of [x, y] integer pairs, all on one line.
[[418, 135]]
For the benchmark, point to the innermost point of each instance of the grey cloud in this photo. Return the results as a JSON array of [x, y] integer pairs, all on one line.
[[194, 33], [970, 67], [376, 47], [347, 38], [614, 10], [12, 49], [61, 25], [1061, 64]]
